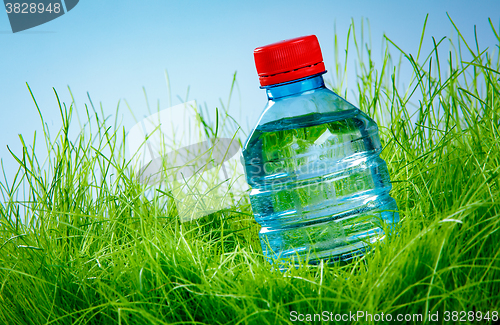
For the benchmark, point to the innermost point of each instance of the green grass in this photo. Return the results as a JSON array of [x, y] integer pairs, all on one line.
[[81, 246]]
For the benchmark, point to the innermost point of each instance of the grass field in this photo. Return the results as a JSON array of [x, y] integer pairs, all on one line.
[[80, 247]]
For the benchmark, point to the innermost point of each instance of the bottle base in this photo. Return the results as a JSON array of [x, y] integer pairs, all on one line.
[[334, 240]]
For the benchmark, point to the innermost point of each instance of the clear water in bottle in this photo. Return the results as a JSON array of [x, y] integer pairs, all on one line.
[[319, 186]]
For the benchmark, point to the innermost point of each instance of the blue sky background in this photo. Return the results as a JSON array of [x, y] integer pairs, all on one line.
[[112, 49]]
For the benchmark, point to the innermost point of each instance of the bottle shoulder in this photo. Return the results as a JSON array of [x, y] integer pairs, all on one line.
[[317, 101], [310, 108]]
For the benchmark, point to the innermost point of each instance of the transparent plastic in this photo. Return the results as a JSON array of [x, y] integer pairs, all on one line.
[[318, 186]]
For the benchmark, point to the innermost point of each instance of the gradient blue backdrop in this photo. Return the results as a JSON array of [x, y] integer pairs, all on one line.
[[112, 49]]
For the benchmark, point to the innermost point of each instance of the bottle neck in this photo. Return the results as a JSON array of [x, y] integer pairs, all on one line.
[[294, 87]]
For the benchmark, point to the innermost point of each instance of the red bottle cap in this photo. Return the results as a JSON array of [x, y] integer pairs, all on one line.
[[288, 60]]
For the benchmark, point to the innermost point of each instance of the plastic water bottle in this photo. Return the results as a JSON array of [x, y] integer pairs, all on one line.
[[319, 189]]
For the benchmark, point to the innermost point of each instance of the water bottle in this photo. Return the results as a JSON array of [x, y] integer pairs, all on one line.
[[319, 189]]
